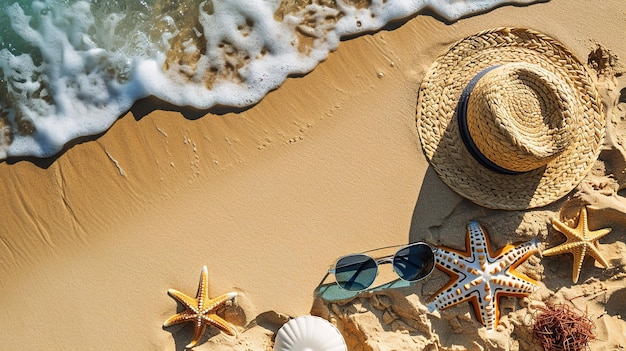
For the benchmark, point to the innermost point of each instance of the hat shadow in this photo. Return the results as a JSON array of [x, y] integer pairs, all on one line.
[[440, 217]]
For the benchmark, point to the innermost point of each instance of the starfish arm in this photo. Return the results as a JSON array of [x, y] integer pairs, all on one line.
[[451, 261], [481, 249], [220, 324], [566, 247], [188, 301], [513, 284], [597, 234], [197, 334], [486, 310], [582, 219], [579, 256], [215, 303], [517, 254], [203, 285], [448, 298], [477, 235], [503, 285], [595, 253], [570, 233], [455, 292], [178, 318], [559, 249], [484, 306]]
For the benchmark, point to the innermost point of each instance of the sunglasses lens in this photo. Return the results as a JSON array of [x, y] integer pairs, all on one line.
[[414, 262], [355, 272]]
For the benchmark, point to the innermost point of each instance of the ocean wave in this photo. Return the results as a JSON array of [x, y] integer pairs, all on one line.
[[70, 68]]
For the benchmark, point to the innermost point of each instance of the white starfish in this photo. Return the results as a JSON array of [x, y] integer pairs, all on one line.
[[480, 275]]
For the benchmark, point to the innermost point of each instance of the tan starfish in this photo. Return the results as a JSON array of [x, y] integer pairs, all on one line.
[[580, 242], [201, 310]]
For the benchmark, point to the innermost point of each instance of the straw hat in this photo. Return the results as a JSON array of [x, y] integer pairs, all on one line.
[[510, 119]]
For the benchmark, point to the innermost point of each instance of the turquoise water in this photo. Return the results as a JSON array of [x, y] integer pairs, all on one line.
[[70, 68]]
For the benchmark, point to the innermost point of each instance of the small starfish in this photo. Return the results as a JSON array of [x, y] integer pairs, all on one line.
[[481, 275], [580, 242], [201, 310]]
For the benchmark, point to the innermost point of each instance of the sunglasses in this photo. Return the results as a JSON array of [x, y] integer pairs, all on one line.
[[357, 272]]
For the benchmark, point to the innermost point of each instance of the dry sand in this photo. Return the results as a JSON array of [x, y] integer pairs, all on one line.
[[268, 197]]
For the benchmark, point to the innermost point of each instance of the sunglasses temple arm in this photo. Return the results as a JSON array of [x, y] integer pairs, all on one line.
[[404, 260], [324, 279], [352, 278], [356, 274]]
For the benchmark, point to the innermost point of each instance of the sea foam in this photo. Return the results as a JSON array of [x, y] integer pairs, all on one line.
[[70, 68]]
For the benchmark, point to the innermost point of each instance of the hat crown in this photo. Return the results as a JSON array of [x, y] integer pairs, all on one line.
[[519, 116]]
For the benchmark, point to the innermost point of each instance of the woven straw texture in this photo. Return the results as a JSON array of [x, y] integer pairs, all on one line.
[[567, 146], [520, 116]]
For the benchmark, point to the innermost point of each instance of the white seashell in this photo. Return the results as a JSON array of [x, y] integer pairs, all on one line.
[[309, 333]]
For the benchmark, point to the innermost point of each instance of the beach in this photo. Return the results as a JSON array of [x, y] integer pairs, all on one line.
[[269, 196]]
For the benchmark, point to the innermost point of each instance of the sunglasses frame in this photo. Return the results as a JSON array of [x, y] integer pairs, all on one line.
[[388, 259]]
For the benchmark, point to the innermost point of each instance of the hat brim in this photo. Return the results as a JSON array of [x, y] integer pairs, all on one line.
[[439, 134]]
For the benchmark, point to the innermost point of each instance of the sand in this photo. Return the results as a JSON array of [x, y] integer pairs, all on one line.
[[267, 198]]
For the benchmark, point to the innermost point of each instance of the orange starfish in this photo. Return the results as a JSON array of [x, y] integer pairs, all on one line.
[[202, 310], [580, 242], [481, 275]]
